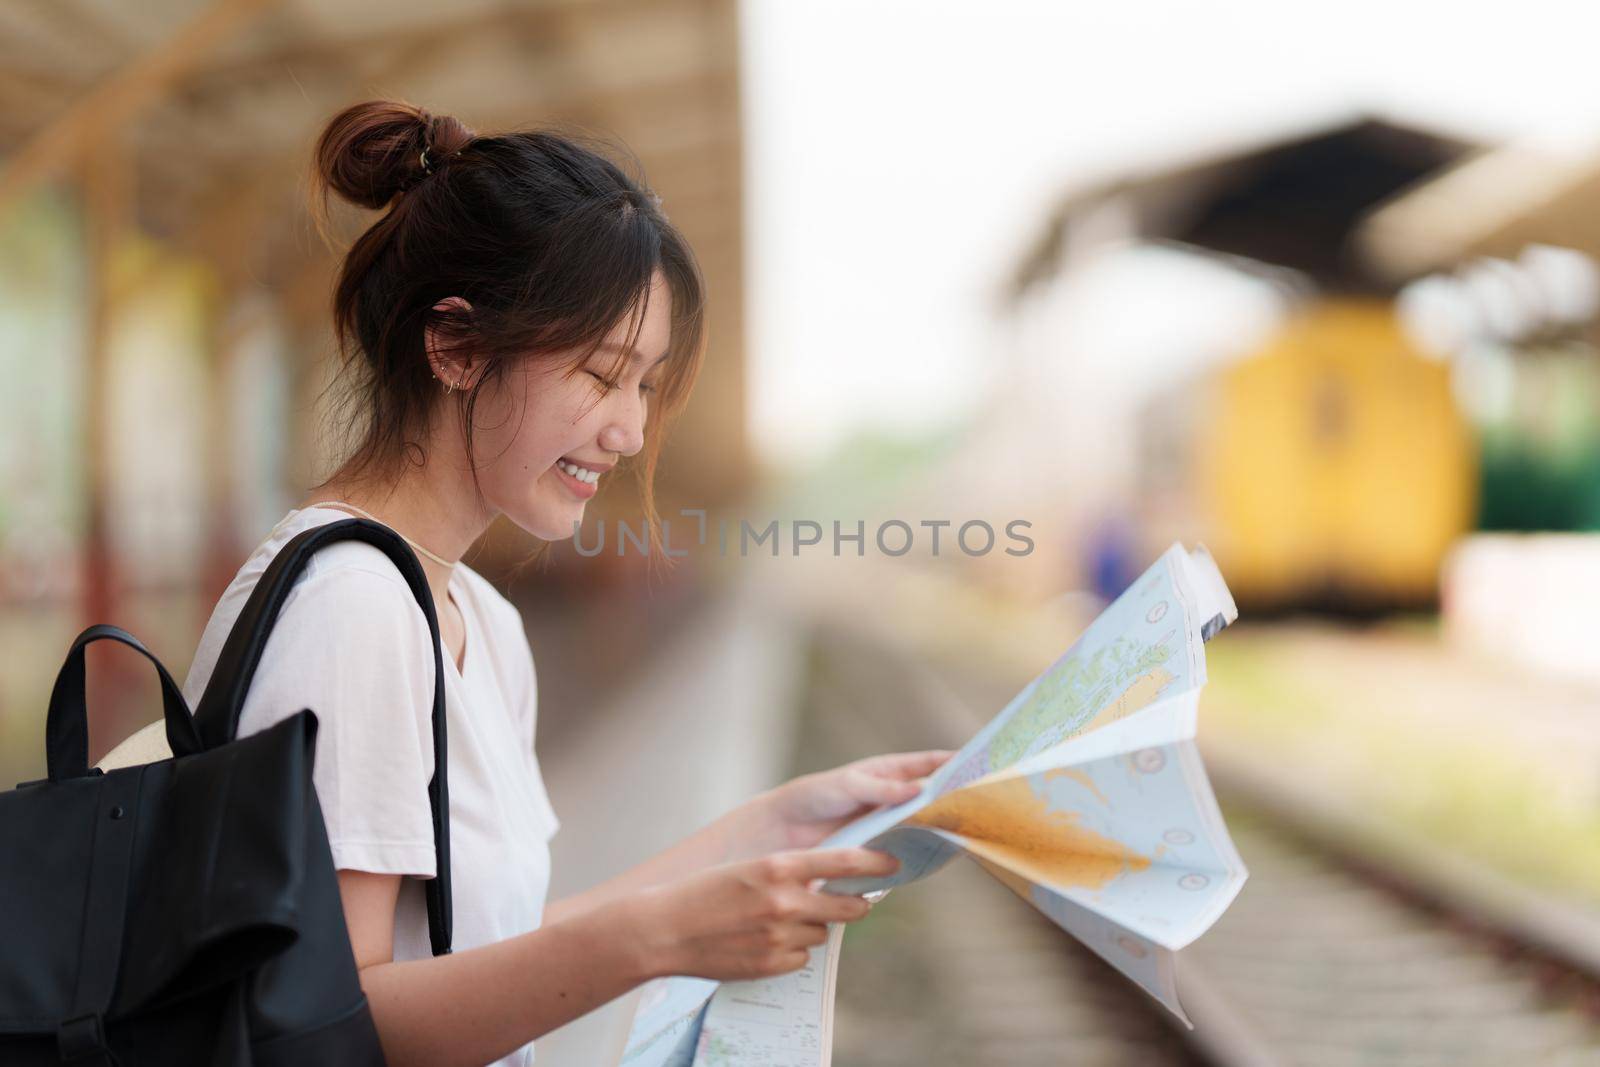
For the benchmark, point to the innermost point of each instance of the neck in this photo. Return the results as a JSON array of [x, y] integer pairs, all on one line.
[[427, 505]]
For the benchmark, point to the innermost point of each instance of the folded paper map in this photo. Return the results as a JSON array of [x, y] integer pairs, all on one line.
[[1084, 795]]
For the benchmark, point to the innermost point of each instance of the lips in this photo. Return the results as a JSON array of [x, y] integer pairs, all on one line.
[[581, 485]]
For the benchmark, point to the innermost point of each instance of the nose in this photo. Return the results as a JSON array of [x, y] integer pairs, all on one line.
[[623, 431]]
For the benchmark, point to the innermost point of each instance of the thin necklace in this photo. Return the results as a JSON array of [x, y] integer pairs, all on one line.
[[369, 515]]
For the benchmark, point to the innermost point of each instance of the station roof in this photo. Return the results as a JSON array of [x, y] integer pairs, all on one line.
[[209, 108], [1291, 203]]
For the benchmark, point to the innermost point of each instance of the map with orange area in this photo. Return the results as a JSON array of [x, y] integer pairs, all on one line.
[[1007, 823], [1072, 774]]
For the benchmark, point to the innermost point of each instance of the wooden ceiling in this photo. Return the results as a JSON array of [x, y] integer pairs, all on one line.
[[207, 110], [215, 104]]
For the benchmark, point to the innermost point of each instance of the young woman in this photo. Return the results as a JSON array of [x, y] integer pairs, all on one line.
[[520, 320]]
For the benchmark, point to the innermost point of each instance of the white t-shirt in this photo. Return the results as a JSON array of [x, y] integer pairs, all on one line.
[[352, 645]]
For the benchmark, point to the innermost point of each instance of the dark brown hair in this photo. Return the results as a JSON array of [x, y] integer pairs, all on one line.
[[547, 239]]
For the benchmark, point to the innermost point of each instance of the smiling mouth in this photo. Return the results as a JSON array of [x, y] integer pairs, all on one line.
[[582, 474], [577, 480]]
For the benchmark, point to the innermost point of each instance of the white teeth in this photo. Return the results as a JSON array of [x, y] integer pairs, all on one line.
[[583, 474]]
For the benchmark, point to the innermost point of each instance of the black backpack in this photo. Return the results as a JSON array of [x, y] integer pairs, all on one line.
[[187, 911]]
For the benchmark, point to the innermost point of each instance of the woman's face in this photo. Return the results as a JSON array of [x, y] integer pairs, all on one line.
[[545, 441]]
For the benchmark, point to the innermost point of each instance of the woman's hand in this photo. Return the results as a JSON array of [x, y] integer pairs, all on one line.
[[796, 815], [752, 919], [805, 810]]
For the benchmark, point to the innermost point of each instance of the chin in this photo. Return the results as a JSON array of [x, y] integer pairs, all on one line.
[[548, 524], [546, 511]]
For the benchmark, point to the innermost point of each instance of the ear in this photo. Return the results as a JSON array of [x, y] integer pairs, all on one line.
[[448, 366]]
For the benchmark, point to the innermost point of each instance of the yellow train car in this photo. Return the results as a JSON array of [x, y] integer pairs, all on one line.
[[1332, 468]]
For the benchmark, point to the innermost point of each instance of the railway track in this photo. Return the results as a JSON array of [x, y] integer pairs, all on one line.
[[1344, 948]]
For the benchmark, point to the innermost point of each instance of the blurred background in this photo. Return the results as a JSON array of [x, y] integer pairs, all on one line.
[[1316, 288]]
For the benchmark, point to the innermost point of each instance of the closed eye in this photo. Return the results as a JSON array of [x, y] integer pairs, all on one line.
[[612, 383]]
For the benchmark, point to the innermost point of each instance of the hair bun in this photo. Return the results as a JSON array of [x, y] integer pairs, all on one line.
[[372, 150]]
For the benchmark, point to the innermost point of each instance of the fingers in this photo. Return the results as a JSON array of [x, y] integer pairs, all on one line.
[[768, 918], [782, 949], [810, 935], [832, 907], [830, 863], [867, 788], [894, 778], [780, 937], [909, 765]]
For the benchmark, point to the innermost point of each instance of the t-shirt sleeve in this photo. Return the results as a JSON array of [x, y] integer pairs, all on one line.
[[352, 645]]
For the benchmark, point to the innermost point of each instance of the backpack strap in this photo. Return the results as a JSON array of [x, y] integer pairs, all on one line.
[[67, 723], [217, 714]]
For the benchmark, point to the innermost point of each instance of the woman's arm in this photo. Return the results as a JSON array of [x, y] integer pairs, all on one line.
[[735, 921], [720, 842], [474, 1006], [798, 814]]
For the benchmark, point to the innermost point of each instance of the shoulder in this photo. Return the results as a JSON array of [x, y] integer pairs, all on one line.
[[353, 570], [346, 590], [345, 571], [350, 641]]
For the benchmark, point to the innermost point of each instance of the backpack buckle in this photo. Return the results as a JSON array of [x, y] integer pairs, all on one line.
[[82, 1036]]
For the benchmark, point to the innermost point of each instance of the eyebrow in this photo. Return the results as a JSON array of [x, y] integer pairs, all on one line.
[[637, 358]]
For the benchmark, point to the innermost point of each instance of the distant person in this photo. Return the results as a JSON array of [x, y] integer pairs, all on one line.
[[520, 319], [1112, 564]]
